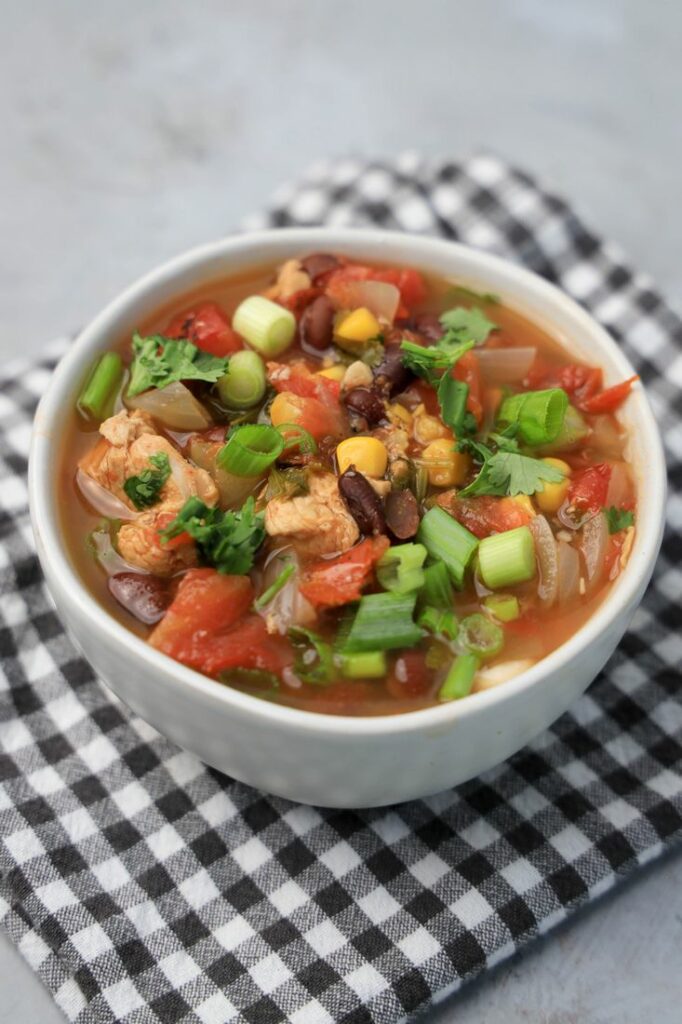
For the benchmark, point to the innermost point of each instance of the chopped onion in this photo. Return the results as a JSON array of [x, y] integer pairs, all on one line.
[[571, 517], [494, 675], [619, 485], [288, 608], [233, 490], [594, 538], [107, 555], [378, 297], [548, 563], [175, 406], [607, 437], [569, 572], [505, 365], [102, 500]]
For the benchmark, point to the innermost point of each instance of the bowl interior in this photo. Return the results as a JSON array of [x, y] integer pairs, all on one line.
[[519, 289]]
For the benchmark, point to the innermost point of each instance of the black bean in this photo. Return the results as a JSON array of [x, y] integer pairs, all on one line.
[[317, 323], [146, 597], [319, 263], [428, 325], [391, 376], [364, 504], [402, 514], [368, 403]]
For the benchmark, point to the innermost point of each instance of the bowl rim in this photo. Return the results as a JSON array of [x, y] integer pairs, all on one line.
[[46, 436]]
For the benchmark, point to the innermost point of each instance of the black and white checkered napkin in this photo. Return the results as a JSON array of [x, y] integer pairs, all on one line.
[[143, 887]]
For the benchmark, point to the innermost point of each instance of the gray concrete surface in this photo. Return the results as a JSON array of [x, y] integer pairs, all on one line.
[[132, 131]]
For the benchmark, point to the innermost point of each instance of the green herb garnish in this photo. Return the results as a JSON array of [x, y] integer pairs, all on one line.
[[226, 540], [467, 324], [144, 490], [506, 471], [619, 518], [159, 361]]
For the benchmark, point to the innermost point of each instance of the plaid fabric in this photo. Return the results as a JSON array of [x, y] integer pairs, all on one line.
[[143, 887]]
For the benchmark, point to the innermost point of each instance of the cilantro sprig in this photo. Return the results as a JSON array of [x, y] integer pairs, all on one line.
[[619, 518], [226, 540], [159, 361], [144, 490], [505, 470]]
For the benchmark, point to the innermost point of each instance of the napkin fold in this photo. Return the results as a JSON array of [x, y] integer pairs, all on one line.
[[144, 887]]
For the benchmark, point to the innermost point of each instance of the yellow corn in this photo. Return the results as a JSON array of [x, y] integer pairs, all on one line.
[[448, 468], [399, 415], [367, 454], [359, 325], [525, 502], [552, 496], [333, 372], [428, 428]]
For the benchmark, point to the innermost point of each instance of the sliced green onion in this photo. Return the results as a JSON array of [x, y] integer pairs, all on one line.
[[437, 589], [367, 665], [505, 559], [460, 678], [274, 588], [243, 386], [478, 635], [297, 437], [383, 622], [504, 607], [573, 430], [439, 621], [452, 397], [400, 569], [250, 450], [315, 658], [448, 541], [267, 326], [97, 397], [539, 414]]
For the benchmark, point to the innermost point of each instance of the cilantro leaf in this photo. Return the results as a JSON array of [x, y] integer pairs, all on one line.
[[467, 324], [314, 658], [511, 473], [226, 540], [452, 397], [441, 356], [159, 361], [619, 518], [459, 291], [145, 489]]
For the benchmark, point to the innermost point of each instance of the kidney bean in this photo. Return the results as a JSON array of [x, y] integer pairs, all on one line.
[[428, 325], [391, 376], [317, 323], [145, 597], [402, 514], [368, 403], [364, 504], [319, 263]]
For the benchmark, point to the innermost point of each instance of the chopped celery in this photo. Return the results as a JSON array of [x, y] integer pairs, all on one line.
[[243, 385], [439, 622], [400, 569], [504, 607], [448, 541], [364, 665], [478, 635], [97, 397], [539, 415], [460, 678], [437, 589], [383, 622], [267, 326]]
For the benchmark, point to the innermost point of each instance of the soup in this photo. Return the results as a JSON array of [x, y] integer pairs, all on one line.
[[345, 488]]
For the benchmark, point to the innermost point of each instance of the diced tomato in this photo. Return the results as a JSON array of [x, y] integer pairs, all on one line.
[[485, 515], [207, 626], [579, 382], [589, 487], [336, 581], [319, 419], [468, 369], [409, 283], [609, 400], [410, 676], [154, 538], [208, 327], [297, 378], [297, 302]]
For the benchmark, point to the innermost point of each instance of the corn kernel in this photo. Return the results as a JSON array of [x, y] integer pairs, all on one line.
[[333, 372], [552, 496], [359, 325], [525, 502], [367, 454], [428, 428], [283, 410], [448, 467], [399, 415]]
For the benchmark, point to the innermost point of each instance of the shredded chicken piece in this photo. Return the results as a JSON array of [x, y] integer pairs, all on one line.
[[139, 544], [291, 278], [128, 441], [317, 523]]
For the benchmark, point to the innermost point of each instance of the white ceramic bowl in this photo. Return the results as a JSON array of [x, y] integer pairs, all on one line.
[[325, 759]]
